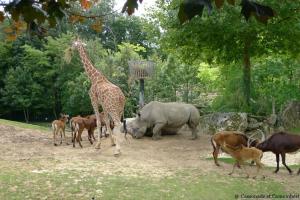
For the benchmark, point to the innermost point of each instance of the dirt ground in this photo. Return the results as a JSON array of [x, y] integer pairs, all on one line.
[[34, 150]]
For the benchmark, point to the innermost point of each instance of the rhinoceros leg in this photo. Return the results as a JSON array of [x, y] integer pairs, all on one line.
[[157, 131], [194, 133]]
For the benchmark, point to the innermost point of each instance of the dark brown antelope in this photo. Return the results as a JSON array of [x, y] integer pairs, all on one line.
[[281, 143], [59, 126]]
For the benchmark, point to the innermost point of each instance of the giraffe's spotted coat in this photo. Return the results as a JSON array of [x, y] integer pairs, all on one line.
[[104, 93]]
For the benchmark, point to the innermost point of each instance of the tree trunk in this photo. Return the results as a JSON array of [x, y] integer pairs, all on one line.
[[54, 112], [25, 111], [247, 72], [187, 92], [175, 93]]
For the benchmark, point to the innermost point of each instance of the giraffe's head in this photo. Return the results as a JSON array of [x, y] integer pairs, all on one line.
[[77, 42]]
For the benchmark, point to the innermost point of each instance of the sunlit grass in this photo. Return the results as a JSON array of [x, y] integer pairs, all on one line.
[[23, 125], [295, 130], [20, 184]]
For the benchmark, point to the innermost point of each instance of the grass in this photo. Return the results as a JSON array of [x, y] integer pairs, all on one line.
[[24, 125], [42, 124], [20, 184], [231, 161], [225, 160], [295, 130]]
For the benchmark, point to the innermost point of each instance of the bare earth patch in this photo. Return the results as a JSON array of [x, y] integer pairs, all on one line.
[[33, 150]]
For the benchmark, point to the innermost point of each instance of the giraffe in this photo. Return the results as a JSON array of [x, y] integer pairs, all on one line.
[[104, 93]]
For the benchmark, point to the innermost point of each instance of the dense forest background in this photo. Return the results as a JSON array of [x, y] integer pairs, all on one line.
[[219, 62]]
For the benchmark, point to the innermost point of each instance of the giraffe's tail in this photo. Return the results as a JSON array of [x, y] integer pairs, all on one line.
[[123, 120]]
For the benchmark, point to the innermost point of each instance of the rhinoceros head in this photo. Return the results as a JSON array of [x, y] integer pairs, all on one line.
[[138, 127]]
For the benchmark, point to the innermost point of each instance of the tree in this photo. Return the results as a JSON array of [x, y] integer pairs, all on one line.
[[20, 91], [223, 38], [35, 14], [75, 96], [173, 81]]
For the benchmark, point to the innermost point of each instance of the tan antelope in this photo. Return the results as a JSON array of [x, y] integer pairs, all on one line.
[[241, 154], [232, 138], [59, 126]]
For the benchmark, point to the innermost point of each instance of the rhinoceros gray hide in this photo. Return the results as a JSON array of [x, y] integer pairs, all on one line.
[[157, 118], [212, 123]]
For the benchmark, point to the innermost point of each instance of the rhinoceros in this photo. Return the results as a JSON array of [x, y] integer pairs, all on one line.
[[157, 117]]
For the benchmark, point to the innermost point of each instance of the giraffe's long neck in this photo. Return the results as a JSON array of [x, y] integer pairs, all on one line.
[[90, 70]]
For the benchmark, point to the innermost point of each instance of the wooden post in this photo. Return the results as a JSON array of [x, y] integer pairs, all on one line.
[[141, 96]]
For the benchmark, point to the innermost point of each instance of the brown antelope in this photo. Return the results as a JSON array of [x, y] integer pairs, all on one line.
[[241, 154], [59, 126], [78, 124], [232, 138]]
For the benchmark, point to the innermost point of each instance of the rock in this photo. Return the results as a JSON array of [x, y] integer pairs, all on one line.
[[256, 134], [290, 116], [253, 124], [211, 123]]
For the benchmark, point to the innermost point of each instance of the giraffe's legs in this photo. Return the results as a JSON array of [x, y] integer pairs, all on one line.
[[113, 138], [96, 110], [107, 121]]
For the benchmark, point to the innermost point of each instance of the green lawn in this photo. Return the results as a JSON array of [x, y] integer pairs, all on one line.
[[35, 126], [19, 184], [295, 130]]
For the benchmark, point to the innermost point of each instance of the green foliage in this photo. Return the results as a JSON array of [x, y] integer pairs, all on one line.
[[198, 62], [174, 81], [275, 78], [231, 94], [21, 92], [75, 97], [220, 40]]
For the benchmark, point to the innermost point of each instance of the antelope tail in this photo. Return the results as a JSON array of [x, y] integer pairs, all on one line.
[[213, 142]]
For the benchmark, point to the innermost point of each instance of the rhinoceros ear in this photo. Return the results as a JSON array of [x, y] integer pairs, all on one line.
[[139, 114]]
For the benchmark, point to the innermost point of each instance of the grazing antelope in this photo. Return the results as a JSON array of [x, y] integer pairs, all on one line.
[[281, 143], [232, 138], [241, 154], [72, 125], [59, 126], [78, 124]]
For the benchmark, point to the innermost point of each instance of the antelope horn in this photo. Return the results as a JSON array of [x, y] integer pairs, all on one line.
[[263, 137], [250, 140]]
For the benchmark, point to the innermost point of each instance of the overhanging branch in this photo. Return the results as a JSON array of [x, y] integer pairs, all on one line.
[[91, 16]]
